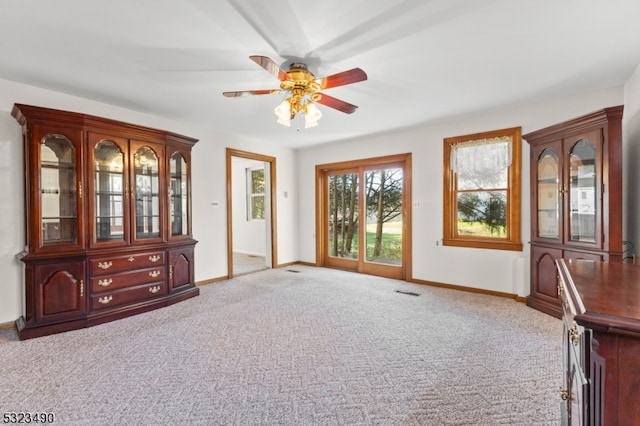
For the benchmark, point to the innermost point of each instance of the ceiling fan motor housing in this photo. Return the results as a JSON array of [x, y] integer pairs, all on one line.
[[300, 81]]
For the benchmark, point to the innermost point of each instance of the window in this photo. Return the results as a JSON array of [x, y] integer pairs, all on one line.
[[482, 190], [255, 194]]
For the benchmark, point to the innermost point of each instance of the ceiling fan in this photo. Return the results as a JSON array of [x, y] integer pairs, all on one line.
[[305, 90]]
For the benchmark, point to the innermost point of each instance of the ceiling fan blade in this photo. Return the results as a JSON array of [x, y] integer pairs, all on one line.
[[335, 103], [250, 93], [270, 66], [340, 79]]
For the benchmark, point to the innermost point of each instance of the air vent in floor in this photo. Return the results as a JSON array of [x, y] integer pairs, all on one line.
[[410, 293]]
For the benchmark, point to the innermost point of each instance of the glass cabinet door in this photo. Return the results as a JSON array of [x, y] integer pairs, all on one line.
[[109, 192], [548, 190], [58, 190], [178, 195], [582, 194], [146, 196]]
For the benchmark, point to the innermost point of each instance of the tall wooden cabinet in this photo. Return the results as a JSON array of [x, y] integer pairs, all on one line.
[[576, 198], [108, 228]]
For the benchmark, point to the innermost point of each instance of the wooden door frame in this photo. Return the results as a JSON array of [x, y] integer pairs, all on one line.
[[322, 202], [272, 197]]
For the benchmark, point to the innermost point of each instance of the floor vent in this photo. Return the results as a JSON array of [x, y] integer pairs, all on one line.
[[410, 293]]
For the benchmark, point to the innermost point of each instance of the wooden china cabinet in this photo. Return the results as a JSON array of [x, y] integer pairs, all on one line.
[[576, 198], [108, 228]]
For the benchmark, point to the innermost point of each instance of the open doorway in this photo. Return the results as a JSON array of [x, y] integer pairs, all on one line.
[[250, 212]]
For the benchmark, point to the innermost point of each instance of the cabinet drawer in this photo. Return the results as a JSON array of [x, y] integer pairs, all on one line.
[[128, 295], [109, 265], [127, 279]]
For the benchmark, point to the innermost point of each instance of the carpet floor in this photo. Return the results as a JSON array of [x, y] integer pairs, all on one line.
[[246, 263], [298, 346]]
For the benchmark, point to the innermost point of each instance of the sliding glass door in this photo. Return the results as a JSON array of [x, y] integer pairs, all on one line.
[[362, 216]]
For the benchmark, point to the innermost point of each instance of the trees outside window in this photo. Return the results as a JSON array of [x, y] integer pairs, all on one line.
[[255, 194], [482, 190]]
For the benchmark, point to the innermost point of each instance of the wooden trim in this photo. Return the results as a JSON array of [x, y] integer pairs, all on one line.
[[211, 281], [577, 125], [469, 289], [480, 243], [299, 262], [514, 202], [517, 298], [296, 262], [364, 162], [272, 179], [7, 325], [89, 122]]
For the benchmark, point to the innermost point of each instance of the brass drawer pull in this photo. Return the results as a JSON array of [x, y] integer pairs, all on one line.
[[105, 300], [154, 290], [105, 265], [105, 283], [154, 258], [154, 274], [574, 334], [564, 394], [131, 259]]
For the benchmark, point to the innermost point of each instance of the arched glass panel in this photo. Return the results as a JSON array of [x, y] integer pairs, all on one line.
[[548, 191], [109, 191], [147, 195], [582, 192], [58, 190]]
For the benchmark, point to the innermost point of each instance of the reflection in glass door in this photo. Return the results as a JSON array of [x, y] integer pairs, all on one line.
[[582, 192], [109, 188], [363, 217], [147, 193], [58, 190]]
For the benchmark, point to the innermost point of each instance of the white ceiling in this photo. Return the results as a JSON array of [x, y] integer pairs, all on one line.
[[426, 60]]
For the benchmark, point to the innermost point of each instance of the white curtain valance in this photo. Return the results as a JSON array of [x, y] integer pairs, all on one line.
[[479, 155]]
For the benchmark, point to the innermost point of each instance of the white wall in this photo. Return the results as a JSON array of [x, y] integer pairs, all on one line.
[[11, 217], [295, 180], [208, 177], [497, 270], [631, 155]]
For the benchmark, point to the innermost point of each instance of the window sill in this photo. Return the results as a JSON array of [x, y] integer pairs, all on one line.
[[483, 244]]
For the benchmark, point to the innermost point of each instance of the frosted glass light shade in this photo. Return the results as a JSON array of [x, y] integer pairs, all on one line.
[[283, 112], [311, 116]]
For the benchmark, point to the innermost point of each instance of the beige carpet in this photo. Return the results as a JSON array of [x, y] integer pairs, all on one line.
[[247, 263], [298, 346]]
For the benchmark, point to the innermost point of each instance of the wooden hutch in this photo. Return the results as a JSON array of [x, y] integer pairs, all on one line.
[[108, 220], [576, 198]]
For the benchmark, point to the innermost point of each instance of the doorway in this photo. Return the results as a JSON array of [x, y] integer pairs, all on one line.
[[250, 212], [363, 217]]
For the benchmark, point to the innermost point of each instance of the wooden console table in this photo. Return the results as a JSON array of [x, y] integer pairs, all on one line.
[[601, 313]]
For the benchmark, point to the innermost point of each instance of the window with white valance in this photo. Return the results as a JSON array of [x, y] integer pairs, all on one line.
[[482, 190]]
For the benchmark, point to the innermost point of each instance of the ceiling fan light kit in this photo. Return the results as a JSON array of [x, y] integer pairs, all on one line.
[[288, 109], [304, 91]]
